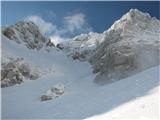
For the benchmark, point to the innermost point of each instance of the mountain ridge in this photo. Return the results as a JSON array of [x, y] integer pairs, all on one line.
[[130, 44]]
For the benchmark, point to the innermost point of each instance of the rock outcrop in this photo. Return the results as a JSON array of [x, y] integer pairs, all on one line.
[[15, 72], [131, 45], [26, 33], [82, 46]]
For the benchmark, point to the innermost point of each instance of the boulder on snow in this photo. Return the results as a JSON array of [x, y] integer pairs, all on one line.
[[46, 97], [58, 89], [54, 92]]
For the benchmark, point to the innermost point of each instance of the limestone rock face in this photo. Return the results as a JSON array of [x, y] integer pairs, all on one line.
[[131, 45], [27, 33]]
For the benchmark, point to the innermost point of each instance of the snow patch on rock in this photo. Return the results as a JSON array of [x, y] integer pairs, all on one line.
[[54, 92]]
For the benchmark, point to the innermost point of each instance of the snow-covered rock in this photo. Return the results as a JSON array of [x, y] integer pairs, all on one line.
[[15, 72], [86, 41], [27, 33], [82, 46], [54, 92], [46, 97], [58, 89], [131, 45]]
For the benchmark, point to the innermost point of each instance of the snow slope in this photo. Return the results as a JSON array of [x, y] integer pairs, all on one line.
[[143, 89], [83, 99]]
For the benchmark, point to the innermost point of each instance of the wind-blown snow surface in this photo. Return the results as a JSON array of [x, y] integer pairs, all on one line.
[[133, 97]]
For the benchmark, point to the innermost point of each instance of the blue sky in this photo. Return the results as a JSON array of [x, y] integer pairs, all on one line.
[[72, 18]]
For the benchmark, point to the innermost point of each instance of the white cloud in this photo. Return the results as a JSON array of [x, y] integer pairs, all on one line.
[[71, 25], [75, 22], [56, 39], [45, 27], [52, 14]]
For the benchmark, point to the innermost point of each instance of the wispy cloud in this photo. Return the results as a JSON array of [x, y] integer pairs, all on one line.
[[45, 27], [50, 14], [56, 39], [75, 22]]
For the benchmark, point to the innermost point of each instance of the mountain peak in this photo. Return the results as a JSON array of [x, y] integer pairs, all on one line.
[[130, 45], [26, 24], [27, 33], [138, 12], [133, 17], [135, 13]]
